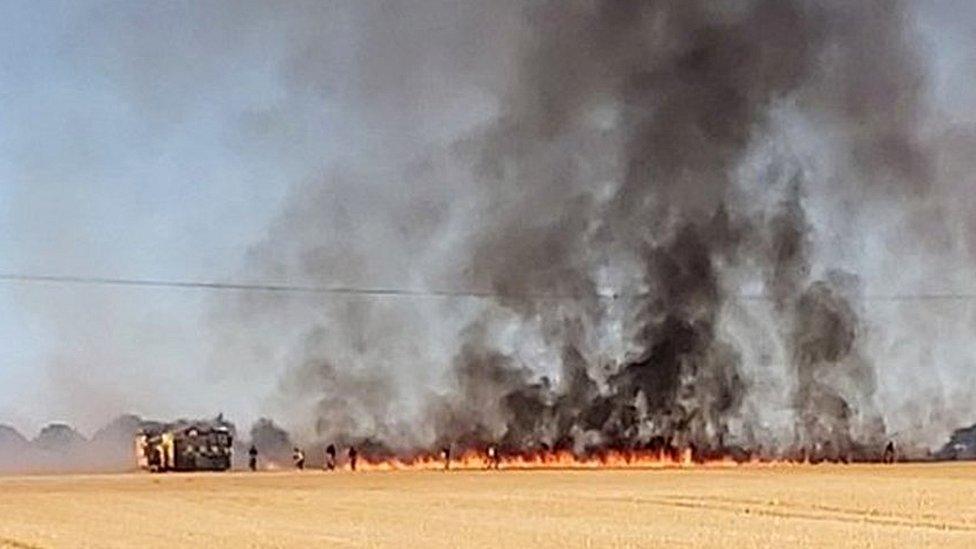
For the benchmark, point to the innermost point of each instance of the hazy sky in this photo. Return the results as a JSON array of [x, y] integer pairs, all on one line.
[[159, 140], [153, 140], [121, 157]]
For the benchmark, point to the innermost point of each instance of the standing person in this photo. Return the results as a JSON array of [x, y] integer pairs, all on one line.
[[330, 457], [446, 456], [299, 457], [889, 453], [494, 459], [353, 455], [252, 461]]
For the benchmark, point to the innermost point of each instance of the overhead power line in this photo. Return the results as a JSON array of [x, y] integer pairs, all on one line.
[[234, 286], [392, 292], [936, 296]]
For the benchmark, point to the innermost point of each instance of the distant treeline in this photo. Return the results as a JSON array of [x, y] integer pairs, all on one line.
[[59, 447]]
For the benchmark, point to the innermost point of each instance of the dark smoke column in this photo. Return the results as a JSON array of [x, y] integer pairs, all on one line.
[[642, 166], [618, 146]]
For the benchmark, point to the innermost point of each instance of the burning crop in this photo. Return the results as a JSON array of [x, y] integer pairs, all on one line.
[[491, 458], [525, 235], [644, 266], [471, 460]]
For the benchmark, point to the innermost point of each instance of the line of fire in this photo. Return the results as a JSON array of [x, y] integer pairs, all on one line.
[[209, 445]]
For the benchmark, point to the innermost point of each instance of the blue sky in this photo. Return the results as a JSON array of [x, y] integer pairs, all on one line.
[[155, 140], [119, 158]]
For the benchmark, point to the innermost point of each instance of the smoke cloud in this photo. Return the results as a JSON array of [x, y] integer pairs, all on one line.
[[686, 224], [651, 193]]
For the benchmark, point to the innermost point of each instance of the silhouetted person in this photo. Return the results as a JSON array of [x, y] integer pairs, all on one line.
[[493, 457], [252, 461], [353, 455], [889, 453], [446, 456], [545, 452], [330, 457], [299, 457]]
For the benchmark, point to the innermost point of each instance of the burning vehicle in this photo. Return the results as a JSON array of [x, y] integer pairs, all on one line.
[[185, 446]]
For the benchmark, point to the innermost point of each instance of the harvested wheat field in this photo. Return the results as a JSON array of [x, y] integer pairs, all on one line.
[[747, 506]]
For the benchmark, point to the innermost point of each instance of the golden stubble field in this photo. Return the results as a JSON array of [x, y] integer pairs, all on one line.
[[749, 506]]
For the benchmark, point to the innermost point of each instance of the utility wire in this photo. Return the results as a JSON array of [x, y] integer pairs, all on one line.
[[392, 292], [233, 286], [934, 296]]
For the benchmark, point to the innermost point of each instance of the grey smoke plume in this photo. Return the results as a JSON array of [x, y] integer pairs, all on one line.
[[627, 176], [272, 441]]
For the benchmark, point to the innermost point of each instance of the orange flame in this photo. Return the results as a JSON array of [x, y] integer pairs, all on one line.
[[611, 459]]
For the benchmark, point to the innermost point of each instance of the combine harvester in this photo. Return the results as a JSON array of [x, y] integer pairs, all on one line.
[[185, 446]]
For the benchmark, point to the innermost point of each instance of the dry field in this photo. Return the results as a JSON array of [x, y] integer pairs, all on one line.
[[751, 506]]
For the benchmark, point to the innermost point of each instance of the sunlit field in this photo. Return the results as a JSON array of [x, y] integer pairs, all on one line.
[[823, 505]]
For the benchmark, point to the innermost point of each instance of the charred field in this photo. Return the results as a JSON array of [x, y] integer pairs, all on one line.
[[748, 505]]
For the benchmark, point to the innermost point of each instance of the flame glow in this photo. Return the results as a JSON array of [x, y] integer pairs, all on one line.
[[612, 459]]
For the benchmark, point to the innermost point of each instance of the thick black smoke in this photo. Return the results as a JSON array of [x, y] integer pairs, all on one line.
[[634, 191], [687, 88]]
